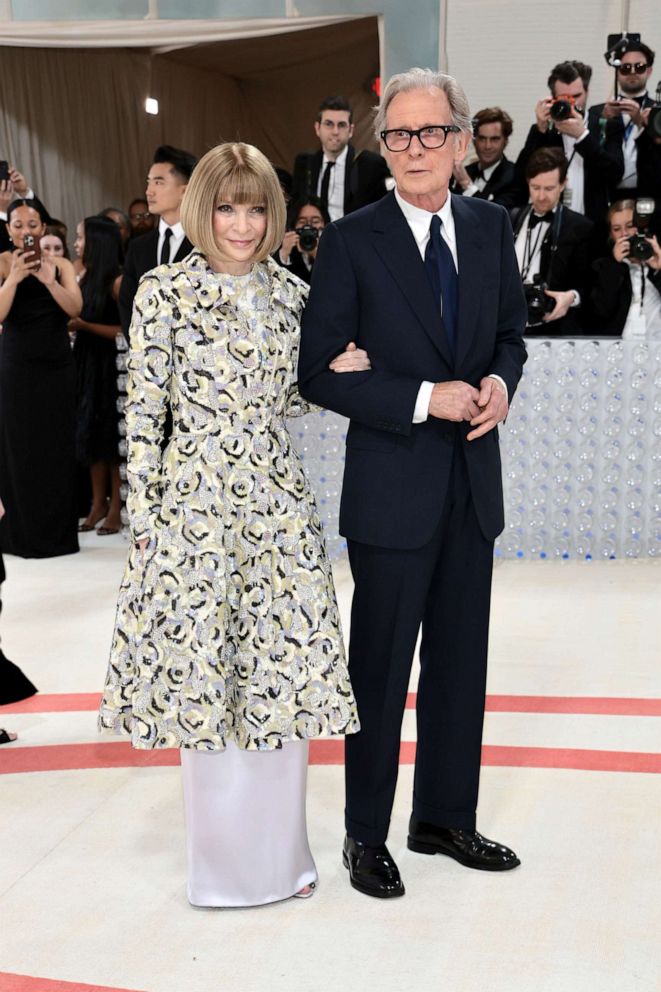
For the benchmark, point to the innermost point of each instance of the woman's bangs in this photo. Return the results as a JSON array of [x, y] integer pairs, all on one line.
[[242, 186]]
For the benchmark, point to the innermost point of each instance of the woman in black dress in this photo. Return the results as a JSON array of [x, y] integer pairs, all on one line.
[[37, 394], [99, 245]]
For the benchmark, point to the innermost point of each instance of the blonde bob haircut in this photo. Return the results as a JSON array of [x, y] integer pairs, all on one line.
[[233, 173]]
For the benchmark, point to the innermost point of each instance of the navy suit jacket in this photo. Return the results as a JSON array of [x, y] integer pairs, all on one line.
[[369, 285]]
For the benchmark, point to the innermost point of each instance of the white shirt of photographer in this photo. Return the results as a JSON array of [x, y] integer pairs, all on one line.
[[335, 185], [644, 316], [574, 194]]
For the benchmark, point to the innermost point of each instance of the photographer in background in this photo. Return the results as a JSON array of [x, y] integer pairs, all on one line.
[[552, 246], [493, 176], [298, 250], [594, 155], [628, 115], [626, 292]]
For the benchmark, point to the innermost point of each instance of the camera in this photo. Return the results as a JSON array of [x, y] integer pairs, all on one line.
[[639, 247], [537, 301], [308, 236], [561, 108]]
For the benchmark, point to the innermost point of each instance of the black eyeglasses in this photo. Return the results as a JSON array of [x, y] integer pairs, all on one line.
[[398, 139], [628, 68]]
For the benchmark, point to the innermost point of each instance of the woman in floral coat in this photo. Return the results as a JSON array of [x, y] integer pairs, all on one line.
[[227, 640]]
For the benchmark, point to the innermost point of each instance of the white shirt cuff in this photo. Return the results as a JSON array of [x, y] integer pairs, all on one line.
[[584, 135], [421, 411], [577, 299], [492, 375], [471, 190], [3, 216], [29, 195]]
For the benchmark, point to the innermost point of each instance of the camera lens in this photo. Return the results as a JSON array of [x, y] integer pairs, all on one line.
[[307, 237], [560, 110]]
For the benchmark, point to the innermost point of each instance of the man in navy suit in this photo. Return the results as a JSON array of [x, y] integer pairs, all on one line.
[[428, 283]]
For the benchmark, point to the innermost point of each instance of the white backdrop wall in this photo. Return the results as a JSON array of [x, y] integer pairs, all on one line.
[[503, 50]]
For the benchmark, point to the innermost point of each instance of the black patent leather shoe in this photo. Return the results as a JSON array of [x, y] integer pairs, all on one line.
[[372, 870], [468, 847]]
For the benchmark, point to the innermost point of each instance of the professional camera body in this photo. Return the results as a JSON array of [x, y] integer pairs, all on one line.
[[639, 247], [538, 303], [308, 236], [561, 108]]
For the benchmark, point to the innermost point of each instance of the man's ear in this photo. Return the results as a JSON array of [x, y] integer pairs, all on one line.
[[460, 146], [351, 129], [317, 128]]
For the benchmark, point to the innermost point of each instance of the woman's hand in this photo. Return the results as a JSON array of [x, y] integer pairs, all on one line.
[[47, 272], [352, 359], [22, 266], [289, 241], [655, 261], [621, 248]]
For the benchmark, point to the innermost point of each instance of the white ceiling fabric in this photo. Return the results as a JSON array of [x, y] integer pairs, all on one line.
[[160, 36]]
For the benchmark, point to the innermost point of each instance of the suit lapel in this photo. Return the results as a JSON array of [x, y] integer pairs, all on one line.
[[348, 166], [184, 249], [469, 259], [395, 244]]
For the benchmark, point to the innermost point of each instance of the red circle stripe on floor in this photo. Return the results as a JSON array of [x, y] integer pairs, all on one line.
[[70, 757], [25, 983]]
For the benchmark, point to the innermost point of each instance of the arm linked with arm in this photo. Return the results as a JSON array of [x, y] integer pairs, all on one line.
[[378, 398]]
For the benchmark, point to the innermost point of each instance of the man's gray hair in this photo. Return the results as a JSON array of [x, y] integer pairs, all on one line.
[[424, 79]]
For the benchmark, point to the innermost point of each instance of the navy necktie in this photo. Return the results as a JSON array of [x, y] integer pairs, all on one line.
[[165, 247], [443, 278]]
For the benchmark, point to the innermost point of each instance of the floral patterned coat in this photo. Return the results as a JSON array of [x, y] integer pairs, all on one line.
[[227, 626]]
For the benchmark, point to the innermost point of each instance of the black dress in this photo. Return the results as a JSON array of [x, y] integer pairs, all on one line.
[[97, 419], [37, 427]]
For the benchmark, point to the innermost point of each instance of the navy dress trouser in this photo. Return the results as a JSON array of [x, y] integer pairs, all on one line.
[[445, 587]]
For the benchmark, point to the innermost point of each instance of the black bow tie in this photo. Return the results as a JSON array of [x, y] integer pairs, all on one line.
[[536, 219]]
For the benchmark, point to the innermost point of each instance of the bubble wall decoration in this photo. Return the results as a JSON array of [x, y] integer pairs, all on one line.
[[581, 452]]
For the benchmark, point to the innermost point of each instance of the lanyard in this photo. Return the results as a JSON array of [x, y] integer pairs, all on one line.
[[530, 250]]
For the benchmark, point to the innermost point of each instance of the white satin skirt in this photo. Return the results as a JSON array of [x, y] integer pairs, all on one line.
[[246, 832]]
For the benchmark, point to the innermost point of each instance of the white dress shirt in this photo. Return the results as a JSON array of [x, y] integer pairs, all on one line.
[[335, 185], [419, 221], [478, 184], [175, 240], [644, 316], [574, 196]]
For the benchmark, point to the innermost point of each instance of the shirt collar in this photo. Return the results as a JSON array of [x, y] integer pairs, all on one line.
[[419, 220], [177, 229], [489, 171], [341, 158]]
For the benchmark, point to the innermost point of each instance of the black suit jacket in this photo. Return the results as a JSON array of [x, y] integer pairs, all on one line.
[[364, 180], [568, 267], [141, 256], [502, 186], [369, 285], [648, 159], [601, 151], [610, 298]]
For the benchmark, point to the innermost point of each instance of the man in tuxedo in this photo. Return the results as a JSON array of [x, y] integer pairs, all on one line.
[[553, 248], [628, 115], [493, 176], [344, 179], [427, 282], [166, 185], [593, 151]]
